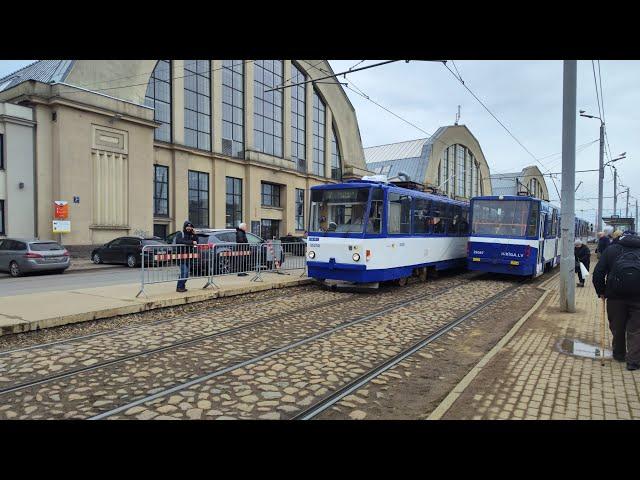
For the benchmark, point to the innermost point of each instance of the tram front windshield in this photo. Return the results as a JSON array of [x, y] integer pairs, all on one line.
[[341, 211], [505, 218]]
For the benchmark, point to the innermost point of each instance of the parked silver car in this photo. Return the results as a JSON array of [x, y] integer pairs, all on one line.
[[19, 255]]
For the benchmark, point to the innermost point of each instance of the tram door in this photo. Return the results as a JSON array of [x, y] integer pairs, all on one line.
[[540, 260]]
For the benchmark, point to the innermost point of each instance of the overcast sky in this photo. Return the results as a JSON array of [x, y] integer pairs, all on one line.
[[525, 95]]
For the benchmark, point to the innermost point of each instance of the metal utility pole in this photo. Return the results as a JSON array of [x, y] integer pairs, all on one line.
[[636, 222], [567, 208], [600, 177], [615, 191], [627, 212]]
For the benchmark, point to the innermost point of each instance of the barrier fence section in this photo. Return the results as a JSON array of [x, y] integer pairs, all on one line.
[[173, 263]]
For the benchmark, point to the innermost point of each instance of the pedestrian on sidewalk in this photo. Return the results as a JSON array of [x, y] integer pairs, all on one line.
[[617, 278], [615, 237], [186, 237], [583, 255], [241, 237], [605, 240]]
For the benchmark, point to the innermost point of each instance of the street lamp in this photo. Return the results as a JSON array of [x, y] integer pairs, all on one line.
[[615, 180], [600, 169]]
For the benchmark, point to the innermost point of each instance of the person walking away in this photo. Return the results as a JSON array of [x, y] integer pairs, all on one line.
[[615, 237], [186, 237], [616, 278], [583, 255], [241, 237], [600, 243], [605, 240]]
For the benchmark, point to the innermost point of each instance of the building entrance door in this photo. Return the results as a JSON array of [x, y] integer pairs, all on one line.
[[270, 229]]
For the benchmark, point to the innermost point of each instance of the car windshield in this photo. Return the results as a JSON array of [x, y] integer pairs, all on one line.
[[43, 247], [343, 210], [504, 218]]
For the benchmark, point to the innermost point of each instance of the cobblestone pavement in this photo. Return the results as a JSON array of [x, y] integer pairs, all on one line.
[[415, 386], [286, 383], [87, 394], [530, 378]]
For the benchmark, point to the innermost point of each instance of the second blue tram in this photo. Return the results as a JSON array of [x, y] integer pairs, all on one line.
[[516, 235]]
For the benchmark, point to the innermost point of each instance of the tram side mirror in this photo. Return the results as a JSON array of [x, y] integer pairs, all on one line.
[[332, 227]]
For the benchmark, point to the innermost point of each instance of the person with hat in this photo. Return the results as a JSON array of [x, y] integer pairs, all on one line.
[[582, 255], [186, 237]]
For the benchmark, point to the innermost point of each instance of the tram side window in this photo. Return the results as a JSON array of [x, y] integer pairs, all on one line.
[[374, 225], [532, 224], [399, 220], [421, 217], [547, 225], [463, 223], [447, 218], [436, 222]]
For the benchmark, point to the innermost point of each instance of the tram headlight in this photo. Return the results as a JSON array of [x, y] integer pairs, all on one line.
[[311, 254], [356, 257]]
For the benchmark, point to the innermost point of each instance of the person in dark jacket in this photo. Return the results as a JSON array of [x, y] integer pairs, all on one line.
[[605, 240], [583, 255], [616, 278], [186, 237], [241, 237]]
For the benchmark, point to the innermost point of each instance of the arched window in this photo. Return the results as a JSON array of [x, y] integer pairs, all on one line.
[[460, 170], [197, 104], [158, 97], [298, 119], [336, 160], [267, 108], [319, 115], [233, 108]]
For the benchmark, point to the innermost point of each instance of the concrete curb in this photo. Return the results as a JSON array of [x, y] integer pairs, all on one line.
[[144, 305], [459, 389]]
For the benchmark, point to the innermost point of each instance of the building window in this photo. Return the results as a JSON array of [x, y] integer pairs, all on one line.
[[270, 195], [2, 230], [269, 229], [197, 104], [158, 97], [460, 170], [318, 134], [299, 209], [336, 160], [298, 119], [233, 108], [199, 198], [234, 202], [160, 191], [267, 114], [445, 170], [160, 230], [1, 152]]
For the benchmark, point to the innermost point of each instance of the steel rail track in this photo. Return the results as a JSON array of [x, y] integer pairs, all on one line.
[[180, 343], [290, 346], [336, 396], [136, 327]]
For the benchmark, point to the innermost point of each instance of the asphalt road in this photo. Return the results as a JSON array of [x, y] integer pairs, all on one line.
[[66, 281]]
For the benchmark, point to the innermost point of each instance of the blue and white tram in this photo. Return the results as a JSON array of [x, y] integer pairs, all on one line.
[[366, 232], [516, 235]]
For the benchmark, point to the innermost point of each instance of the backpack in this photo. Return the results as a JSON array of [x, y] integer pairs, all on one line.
[[625, 274]]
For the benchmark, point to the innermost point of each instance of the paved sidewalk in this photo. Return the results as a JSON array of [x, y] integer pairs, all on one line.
[[530, 378], [33, 311]]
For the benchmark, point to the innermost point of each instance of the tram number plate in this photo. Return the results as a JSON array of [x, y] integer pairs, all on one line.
[[476, 259], [513, 262]]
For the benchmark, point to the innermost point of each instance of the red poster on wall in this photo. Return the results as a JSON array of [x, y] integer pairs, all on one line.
[[61, 210]]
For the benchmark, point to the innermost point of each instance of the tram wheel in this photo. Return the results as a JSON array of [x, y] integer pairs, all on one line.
[[401, 282]]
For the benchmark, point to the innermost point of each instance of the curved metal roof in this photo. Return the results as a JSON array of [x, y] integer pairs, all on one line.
[[45, 71]]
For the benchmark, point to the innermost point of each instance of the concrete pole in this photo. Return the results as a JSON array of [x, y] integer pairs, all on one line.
[[636, 222], [615, 190], [626, 214], [567, 209], [600, 177]]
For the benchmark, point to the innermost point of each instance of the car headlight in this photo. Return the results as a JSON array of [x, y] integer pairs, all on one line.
[[356, 257], [312, 254]]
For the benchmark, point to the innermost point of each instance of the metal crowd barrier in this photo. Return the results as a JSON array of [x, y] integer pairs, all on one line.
[[170, 263]]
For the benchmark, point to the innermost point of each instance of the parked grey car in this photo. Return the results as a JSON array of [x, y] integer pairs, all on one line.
[[19, 256]]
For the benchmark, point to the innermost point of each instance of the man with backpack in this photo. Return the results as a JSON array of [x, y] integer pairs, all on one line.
[[186, 237], [617, 278]]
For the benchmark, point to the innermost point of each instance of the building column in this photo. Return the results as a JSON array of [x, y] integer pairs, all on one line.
[[177, 100], [248, 106], [328, 122], [286, 114], [216, 105]]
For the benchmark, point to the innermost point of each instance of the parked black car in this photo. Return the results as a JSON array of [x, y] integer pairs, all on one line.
[[126, 250], [216, 247], [294, 245]]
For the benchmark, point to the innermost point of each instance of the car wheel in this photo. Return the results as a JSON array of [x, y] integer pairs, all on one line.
[[14, 270], [96, 258], [224, 265], [131, 261]]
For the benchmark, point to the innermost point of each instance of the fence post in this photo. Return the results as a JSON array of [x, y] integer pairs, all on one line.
[[210, 269], [258, 276], [142, 274]]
